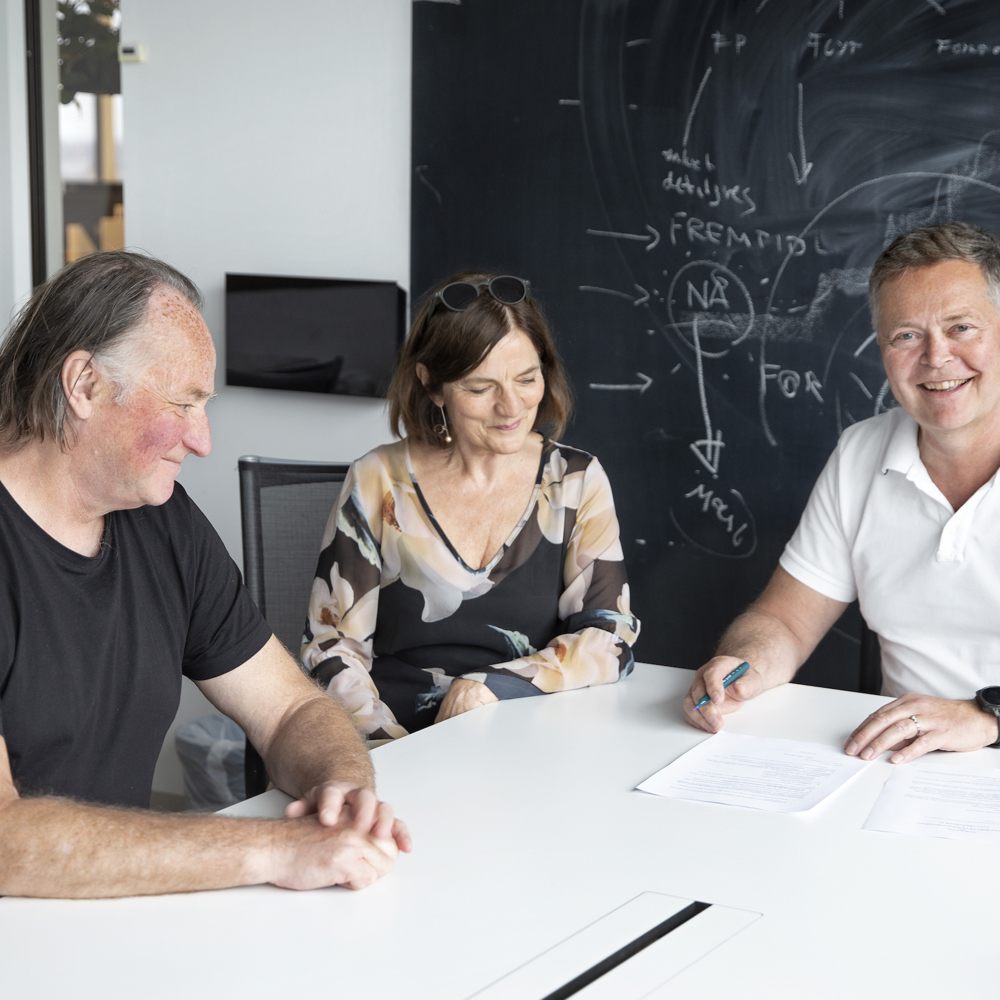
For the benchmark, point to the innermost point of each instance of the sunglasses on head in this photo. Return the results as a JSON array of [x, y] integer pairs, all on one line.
[[505, 288]]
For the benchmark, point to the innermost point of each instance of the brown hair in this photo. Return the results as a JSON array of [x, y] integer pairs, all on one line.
[[933, 245], [89, 305], [451, 344]]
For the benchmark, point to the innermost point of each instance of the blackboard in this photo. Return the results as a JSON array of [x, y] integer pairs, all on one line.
[[697, 190]]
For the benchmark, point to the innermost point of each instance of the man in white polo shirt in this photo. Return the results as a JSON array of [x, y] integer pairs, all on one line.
[[905, 517]]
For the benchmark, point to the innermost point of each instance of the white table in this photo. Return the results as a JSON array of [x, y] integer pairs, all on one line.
[[527, 829]]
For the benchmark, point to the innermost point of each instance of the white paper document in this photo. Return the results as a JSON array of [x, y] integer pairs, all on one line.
[[756, 773], [939, 801]]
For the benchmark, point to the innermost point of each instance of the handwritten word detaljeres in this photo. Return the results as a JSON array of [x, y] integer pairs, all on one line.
[[713, 194]]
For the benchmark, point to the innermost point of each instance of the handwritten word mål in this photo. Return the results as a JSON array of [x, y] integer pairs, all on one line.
[[719, 507]]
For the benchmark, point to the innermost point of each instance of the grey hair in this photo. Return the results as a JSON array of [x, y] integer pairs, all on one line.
[[96, 304], [930, 245], [122, 363]]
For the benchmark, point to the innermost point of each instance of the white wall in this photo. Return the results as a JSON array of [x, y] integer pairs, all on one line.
[[268, 138]]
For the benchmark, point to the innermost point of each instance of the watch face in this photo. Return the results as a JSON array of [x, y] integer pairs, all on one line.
[[991, 696]]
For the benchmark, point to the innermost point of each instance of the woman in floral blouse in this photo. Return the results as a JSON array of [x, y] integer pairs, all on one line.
[[476, 559]]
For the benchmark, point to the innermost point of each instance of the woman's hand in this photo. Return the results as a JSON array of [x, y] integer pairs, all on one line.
[[463, 696], [941, 724]]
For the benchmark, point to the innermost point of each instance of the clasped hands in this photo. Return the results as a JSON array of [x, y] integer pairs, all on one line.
[[941, 723], [346, 837]]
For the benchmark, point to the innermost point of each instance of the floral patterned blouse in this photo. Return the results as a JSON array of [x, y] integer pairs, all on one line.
[[395, 614]]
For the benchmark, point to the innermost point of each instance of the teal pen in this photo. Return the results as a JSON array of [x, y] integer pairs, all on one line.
[[735, 675]]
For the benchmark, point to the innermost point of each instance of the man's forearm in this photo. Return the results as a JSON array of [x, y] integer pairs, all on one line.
[[55, 847], [779, 631], [766, 643], [317, 742]]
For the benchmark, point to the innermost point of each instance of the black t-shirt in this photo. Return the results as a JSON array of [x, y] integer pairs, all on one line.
[[92, 648]]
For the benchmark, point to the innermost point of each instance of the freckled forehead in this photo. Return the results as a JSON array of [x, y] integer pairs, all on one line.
[[172, 319]]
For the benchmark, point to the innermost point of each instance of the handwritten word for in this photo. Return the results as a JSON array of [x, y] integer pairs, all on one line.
[[789, 382]]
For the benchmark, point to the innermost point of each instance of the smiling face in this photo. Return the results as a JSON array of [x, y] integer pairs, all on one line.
[[939, 332], [134, 448], [493, 407]]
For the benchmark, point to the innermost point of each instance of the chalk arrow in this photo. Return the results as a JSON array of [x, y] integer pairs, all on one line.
[[639, 300], [800, 177], [641, 388], [801, 169], [709, 451], [652, 240]]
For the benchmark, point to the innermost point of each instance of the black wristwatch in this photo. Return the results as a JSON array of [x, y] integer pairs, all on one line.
[[988, 699]]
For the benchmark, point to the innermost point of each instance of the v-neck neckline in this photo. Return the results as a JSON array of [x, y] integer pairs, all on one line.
[[441, 532]]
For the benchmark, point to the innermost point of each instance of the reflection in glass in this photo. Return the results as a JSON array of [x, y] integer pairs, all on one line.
[[90, 126]]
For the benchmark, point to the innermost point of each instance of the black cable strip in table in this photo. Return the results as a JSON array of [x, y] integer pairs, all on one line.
[[625, 953]]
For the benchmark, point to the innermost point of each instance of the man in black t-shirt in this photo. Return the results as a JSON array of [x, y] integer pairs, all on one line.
[[112, 586]]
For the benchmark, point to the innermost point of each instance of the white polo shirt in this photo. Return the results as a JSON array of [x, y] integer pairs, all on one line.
[[927, 577]]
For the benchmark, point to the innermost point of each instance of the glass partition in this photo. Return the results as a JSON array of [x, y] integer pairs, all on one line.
[[90, 126]]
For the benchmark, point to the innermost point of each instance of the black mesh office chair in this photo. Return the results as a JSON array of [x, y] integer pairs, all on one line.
[[870, 679], [284, 508]]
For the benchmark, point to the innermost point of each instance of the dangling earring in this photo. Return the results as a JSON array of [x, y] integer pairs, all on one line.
[[441, 429]]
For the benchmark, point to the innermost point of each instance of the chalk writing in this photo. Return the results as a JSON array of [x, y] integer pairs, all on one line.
[[720, 42], [718, 522], [946, 45], [720, 508], [831, 47], [710, 192], [682, 158], [700, 231], [789, 381], [706, 298]]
